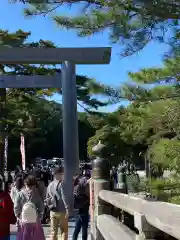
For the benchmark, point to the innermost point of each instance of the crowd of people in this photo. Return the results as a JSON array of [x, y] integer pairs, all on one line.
[[35, 197]]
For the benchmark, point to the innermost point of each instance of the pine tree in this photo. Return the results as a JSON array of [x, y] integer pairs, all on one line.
[[132, 23]]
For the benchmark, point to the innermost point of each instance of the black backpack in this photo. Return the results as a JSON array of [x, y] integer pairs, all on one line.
[[81, 195]]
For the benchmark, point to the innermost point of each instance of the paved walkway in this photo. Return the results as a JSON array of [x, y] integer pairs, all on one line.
[[47, 231], [71, 228]]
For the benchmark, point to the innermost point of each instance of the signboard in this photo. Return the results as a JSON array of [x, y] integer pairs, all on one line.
[[6, 152]]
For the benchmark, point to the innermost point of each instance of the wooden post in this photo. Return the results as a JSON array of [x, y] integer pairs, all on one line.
[[146, 231], [70, 128], [100, 181]]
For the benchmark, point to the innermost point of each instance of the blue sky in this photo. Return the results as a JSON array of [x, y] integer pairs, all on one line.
[[114, 74]]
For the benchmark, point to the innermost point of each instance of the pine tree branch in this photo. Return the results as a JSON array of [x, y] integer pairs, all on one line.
[[59, 1], [161, 9], [132, 23]]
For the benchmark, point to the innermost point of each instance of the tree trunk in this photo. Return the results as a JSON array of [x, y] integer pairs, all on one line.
[[2, 126]]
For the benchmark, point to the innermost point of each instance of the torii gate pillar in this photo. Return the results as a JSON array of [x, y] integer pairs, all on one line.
[[70, 124]]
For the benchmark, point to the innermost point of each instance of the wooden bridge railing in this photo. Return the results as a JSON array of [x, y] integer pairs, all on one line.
[[118, 216], [135, 218]]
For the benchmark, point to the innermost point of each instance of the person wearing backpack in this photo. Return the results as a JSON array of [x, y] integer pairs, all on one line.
[[81, 207], [56, 202], [16, 188], [42, 191], [29, 209], [7, 216]]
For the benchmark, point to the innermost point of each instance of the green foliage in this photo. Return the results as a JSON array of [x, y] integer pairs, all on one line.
[[166, 152], [131, 23], [174, 199], [43, 132], [148, 128], [167, 74], [163, 189], [162, 184]]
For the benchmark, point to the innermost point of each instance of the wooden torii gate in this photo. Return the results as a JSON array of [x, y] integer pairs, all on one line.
[[68, 57]]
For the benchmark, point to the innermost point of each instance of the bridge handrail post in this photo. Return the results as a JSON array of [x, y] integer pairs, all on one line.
[[146, 230], [100, 181]]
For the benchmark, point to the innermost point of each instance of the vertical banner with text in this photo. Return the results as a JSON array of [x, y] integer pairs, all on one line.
[[92, 204], [6, 152], [23, 154]]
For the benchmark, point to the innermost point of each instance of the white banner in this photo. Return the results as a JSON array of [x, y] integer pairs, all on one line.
[[5, 152], [23, 154]]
